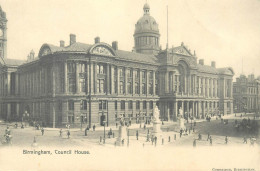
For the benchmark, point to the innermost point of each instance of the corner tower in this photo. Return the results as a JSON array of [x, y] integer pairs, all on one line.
[[147, 36], [3, 35]]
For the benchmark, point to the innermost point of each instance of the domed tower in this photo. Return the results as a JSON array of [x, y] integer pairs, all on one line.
[[147, 36], [3, 35]]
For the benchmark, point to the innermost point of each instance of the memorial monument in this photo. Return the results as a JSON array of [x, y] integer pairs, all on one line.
[[156, 121], [181, 119], [122, 133]]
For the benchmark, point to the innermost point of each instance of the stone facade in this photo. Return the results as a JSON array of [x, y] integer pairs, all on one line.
[[88, 83], [246, 94]]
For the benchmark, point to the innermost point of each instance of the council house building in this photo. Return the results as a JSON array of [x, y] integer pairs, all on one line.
[[87, 84]]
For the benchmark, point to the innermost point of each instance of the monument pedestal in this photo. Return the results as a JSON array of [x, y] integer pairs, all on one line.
[[156, 128], [181, 123], [122, 135]]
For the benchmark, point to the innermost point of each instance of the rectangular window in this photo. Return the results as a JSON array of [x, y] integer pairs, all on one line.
[[122, 105], [137, 88], [82, 85], [81, 68], [83, 105], [72, 85], [129, 88], [144, 104], [71, 105], [71, 67], [150, 88], [121, 87], [143, 88], [115, 105], [151, 105], [130, 105], [138, 105]]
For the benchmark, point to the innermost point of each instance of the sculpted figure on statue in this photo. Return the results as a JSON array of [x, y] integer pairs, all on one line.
[[156, 114], [180, 112]]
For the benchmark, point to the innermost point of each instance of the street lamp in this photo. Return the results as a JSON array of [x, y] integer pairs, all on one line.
[[128, 137], [104, 123]]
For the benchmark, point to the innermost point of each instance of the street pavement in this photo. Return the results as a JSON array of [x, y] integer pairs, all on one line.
[[51, 137]]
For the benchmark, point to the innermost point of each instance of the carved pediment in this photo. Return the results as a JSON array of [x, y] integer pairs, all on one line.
[[181, 50], [102, 50]]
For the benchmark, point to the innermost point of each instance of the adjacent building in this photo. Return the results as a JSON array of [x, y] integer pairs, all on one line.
[[82, 83], [246, 94]]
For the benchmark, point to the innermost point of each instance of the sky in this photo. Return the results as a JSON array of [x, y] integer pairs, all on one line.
[[225, 31]]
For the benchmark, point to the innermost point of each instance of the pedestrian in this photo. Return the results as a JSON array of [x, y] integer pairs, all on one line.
[[199, 137], [16, 125], [86, 131], [130, 122], [155, 140], [42, 130], [148, 131], [210, 140], [152, 139], [68, 133], [148, 138], [208, 137], [194, 143], [226, 140], [162, 141], [123, 142], [94, 127], [22, 126], [169, 139], [60, 132], [245, 140], [180, 133], [137, 134], [174, 136], [194, 123], [189, 130], [144, 126], [116, 124], [113, 135], [100, 139], [140, 125], [193, 129]]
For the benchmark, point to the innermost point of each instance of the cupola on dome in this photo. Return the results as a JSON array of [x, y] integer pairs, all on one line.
[[146, 23]]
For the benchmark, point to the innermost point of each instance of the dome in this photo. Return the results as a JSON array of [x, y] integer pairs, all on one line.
[[146, 23], [146, 6]]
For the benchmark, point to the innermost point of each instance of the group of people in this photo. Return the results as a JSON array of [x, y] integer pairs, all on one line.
[[7, 136]]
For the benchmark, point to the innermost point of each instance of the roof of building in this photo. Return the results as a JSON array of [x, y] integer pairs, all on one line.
[[11, 62], [207, 69], [139, 57]]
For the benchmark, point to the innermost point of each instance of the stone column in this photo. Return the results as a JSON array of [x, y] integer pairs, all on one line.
[[231, 89], [147, 82], [198, 109], [65, 78], [88, 80], [8, 83], [17, 109], [126, 80], [91, 73], [193, 111], [224, 88], [133, 81], [118, 81], [112, 79], [154, 83], [166, 82], [203, 109], [95, 78], [108, 80], [8, 111], [188, 108], [175, 110], [77, 77], [140, 81]]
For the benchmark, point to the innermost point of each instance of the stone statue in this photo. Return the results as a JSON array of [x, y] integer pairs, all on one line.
[[156, 114], [122, 121]]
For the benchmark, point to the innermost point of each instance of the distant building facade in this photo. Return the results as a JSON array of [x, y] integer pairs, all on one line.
[[246, 94], [89, 83]]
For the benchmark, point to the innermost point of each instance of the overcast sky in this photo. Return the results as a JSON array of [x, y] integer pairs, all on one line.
[[224, 31]]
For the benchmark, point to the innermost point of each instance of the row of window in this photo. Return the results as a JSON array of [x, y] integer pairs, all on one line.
[[130, 105]]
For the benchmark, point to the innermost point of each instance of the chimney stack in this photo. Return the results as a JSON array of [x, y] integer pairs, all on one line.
[[72, 39], [62, 43], [97, 40], [115, 45], [213, 64], [201, 61]]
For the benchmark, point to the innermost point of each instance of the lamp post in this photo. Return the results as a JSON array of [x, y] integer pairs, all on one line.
[[104, 123], [128, 137]]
